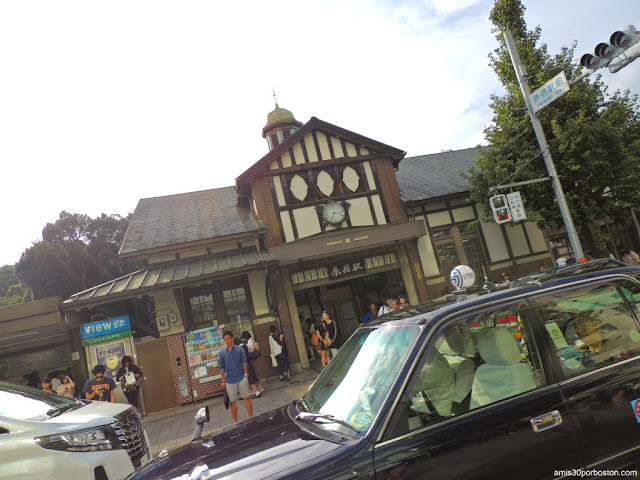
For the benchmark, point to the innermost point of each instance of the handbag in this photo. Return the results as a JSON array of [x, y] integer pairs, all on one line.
[[314, 339], [274, 362], [256, 350], [226, 399], [254, 354]]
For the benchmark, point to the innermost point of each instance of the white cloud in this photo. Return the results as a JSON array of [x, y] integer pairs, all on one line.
[[102, 104]]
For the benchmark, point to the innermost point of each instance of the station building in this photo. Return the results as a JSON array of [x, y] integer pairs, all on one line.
[[327, 220]]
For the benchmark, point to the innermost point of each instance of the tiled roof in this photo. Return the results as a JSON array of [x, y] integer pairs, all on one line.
[[435, 175], [186, 217], [175, 274]]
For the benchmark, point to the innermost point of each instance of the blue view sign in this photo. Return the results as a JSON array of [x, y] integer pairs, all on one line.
[[103, 327]]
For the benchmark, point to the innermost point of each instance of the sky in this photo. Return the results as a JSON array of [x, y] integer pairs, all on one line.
[[105, 103]]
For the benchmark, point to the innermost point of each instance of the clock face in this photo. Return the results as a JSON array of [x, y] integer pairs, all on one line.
[[333, 213]]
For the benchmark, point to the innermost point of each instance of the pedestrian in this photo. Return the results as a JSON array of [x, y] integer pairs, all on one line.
[[67, 387], [100, 387], [46, 385], [322, 347], [542, 267], [309, 331], [253, 353], [77, 391], [277, 350], [403, 302], [32, 380], [371, 314], [629, 256], [386, 308], [235, 375], [505, 278], [129, 376], [333, 333], [394, 305], [55, 380]]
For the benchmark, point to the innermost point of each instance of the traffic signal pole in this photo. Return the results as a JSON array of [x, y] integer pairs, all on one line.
[[521, 75]]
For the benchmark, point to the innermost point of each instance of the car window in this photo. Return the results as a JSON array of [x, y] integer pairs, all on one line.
[[591, 326], [477, 360], [354, 385], [25, 403]]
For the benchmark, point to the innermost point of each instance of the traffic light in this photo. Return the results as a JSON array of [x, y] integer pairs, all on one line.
[[605, 53], [501, 212]]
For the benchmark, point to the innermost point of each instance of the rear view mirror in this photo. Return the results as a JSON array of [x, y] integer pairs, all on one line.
[[201, 418]]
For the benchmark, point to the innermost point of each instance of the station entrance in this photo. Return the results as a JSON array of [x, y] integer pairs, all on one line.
[[347, 301]]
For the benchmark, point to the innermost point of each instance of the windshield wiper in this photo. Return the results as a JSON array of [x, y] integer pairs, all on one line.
[[324, 416], [54, 412]]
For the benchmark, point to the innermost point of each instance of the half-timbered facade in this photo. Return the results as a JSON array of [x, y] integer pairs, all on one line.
[[330, 202]]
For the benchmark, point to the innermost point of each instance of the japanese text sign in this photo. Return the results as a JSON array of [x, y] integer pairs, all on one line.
[[347, 269], [547, 93]]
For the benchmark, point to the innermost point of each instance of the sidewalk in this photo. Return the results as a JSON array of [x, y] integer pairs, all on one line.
[[173, 428]]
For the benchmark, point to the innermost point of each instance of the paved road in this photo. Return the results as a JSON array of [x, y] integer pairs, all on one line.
[[173, 428]]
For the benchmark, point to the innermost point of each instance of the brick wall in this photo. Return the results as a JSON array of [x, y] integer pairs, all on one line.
[[266, 210], [435, 291], [179, 368], [43, 361], [390, 190]]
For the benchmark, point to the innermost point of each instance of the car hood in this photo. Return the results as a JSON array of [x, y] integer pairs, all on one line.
[[257, 448], [94, 414]]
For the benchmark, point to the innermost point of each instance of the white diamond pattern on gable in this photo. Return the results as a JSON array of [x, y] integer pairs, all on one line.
[[350, 179], [299, 187], [325, 183]]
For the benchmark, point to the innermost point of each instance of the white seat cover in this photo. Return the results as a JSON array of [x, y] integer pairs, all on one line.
[[502, 375]]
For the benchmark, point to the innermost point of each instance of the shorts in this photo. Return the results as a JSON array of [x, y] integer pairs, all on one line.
[[238, 390]]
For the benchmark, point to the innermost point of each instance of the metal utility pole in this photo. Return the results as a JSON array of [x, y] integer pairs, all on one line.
[[521, 75]]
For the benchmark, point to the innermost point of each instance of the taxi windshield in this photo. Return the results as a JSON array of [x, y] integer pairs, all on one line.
[[352, 387]]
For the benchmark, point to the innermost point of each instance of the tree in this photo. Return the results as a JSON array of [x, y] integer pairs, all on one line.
[[594, 137], [76, 253], [7, 278]]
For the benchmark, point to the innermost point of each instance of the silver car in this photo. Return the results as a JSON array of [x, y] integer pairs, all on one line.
[[46, 436]]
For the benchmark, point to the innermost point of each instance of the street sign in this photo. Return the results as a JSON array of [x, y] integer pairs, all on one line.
[[515, 205], [547, 93]]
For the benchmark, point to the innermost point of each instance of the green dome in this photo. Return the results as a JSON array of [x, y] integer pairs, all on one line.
[[279, 117]]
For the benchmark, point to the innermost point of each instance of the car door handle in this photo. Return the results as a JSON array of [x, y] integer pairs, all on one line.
[[546, 421]]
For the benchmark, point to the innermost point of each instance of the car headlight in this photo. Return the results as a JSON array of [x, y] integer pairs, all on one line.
[[90, 440]]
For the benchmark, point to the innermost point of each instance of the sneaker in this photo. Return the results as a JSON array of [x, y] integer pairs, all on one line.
[[281, 378], [256, 394]]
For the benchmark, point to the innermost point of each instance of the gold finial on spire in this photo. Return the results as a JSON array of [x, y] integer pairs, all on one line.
[[274, 96]]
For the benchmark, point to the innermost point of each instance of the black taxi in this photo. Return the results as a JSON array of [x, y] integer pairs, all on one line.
[[534, 379]]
